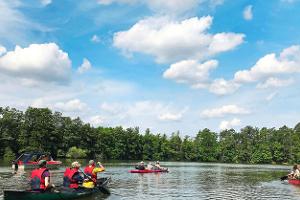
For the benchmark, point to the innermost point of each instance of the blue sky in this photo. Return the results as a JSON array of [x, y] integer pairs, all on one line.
[[167, 65]]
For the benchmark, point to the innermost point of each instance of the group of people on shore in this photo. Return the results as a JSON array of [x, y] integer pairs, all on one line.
[[141, 166], [73, 178]]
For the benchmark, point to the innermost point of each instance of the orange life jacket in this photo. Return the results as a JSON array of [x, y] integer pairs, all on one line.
[[37, 182], [89, 171], [68, 178]]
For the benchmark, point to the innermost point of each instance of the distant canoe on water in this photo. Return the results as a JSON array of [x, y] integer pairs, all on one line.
[[58, 194], [29, 160], [148, 171]]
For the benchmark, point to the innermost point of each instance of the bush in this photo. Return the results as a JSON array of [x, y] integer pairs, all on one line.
[[8, 154], [75, 152]]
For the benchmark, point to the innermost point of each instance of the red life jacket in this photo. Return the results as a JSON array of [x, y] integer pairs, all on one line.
[[68, 178], [37, 182], [89, 171]]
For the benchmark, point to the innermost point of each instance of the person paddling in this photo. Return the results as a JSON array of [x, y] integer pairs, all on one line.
[[72, 176], [40, 177], [91, 171], [140, 166], [158, 167], [295, 174]]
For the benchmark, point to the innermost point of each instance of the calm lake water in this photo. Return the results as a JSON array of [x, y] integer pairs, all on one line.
[[184, 181]]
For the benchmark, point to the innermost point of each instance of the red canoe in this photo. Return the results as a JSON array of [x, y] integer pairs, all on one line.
[[147, 171], [29, 160], [294, 181]]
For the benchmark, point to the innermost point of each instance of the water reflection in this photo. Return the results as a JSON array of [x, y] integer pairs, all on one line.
[[184, 181]]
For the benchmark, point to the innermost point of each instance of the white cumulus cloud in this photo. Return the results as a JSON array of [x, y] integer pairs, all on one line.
[[97, 120], [85, 66], [288, 62], [168, 40], [172, 116], [112, 108], [229, 124], [223, 87], [73, 105], [39, 103], [39, 62], [248, 15], [190, 71], [2, 50], [223, 111]]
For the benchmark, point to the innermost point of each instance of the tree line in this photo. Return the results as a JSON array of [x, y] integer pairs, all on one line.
[[40, 129]]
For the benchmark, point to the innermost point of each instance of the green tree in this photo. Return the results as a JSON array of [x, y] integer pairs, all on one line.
[[206, 146], [188, 149], [227, 146], [75, 152], [175, 146]]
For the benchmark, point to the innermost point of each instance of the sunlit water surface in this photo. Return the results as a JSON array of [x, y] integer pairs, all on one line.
[[184, 181]]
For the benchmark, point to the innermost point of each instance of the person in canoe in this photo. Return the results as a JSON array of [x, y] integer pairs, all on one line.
[[72, 176], [40, 177], [158, 167], [295, 173], [140, 166], [150, 166], [91, 172]]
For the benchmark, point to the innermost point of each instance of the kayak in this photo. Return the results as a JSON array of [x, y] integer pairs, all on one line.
[[294, 181], [148, 170], [58, 194]]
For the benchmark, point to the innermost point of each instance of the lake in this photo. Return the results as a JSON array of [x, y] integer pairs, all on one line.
[[186, 180]]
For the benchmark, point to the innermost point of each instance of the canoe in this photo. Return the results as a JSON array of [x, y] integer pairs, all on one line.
[[32, 165], [29, 160], [58, 194], [148, 171], [294, 181]]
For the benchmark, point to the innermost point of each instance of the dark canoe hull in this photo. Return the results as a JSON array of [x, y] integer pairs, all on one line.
[[62, 194], [294, 181], [24, 195], [147, 171]]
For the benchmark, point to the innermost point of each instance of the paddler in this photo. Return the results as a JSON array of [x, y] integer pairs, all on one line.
[[140, 166], [91, 171], [72, 176], [40, 177], [295, 174]]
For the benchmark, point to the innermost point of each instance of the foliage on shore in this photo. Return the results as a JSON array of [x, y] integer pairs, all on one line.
[[44, 130]]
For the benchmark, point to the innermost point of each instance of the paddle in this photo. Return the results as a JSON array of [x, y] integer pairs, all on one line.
[[284, 178], [101, 188]]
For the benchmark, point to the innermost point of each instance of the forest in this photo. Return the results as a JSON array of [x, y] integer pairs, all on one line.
[[40, 129]]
